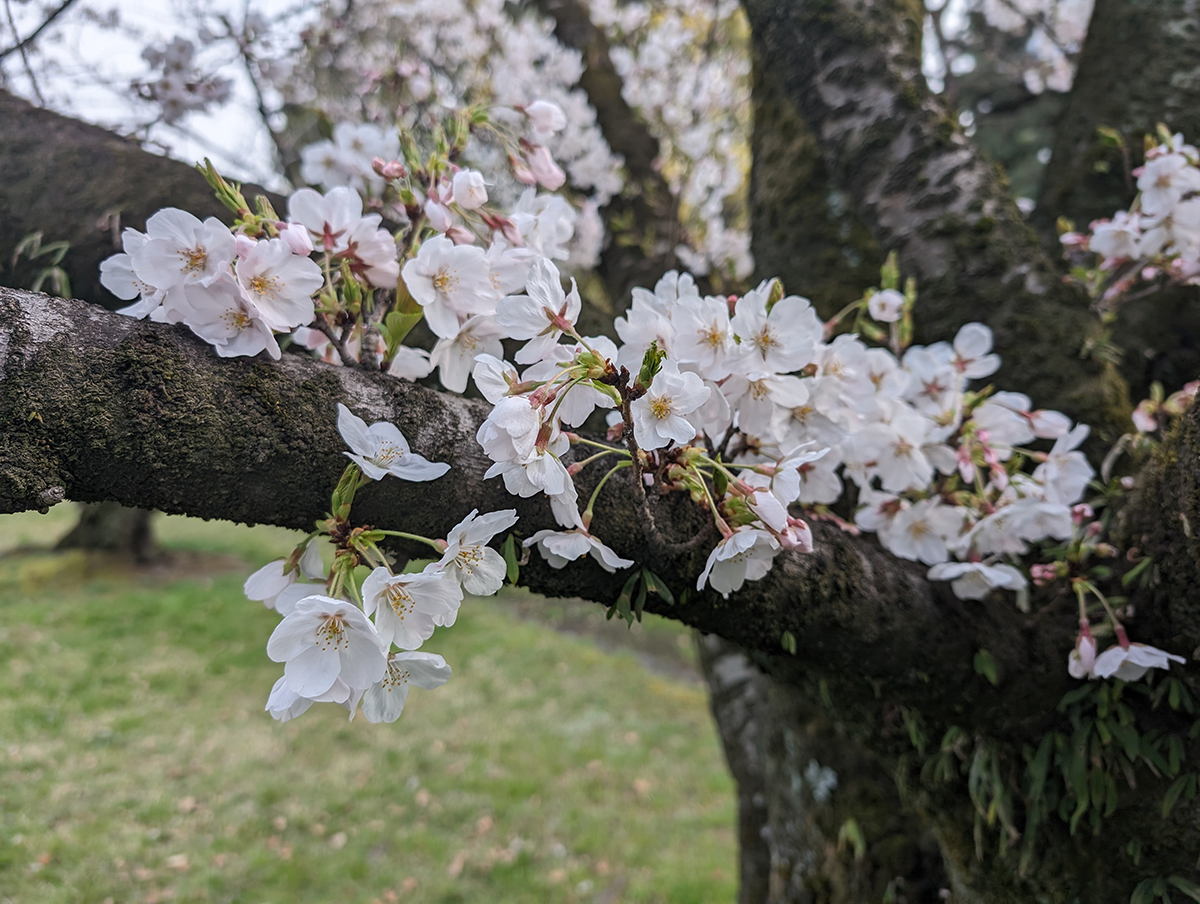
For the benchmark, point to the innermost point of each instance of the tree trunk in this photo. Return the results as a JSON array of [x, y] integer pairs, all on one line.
[[1140, 66], [112, 527], [819, 817]]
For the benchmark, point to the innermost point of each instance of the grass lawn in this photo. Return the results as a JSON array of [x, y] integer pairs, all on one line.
[[137, 764]]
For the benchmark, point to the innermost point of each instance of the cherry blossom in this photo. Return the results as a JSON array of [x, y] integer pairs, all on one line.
[[559, 548], [323, 640], [660, 413], [381, 449], [384, 701], [468, 559]]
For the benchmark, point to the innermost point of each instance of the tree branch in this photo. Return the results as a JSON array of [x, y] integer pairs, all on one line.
[[97, 406]]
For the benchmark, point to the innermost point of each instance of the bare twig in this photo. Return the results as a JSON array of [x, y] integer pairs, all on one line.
[[23, 43], [20, 46]]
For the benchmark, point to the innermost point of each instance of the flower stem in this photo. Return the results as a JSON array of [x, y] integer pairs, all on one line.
[[417, 537], [603, 480]]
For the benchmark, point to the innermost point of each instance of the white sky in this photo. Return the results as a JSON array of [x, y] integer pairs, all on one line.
[[84, 71]]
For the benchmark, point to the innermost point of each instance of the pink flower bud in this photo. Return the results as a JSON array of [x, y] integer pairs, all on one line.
[[797, 535], [521, 171], [460, 235], [1082, 512], [545, 117], [389, 169], [548, 173], [244, 244]]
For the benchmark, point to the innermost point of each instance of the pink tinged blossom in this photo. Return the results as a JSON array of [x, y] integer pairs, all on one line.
[[470, 191], [660, 415], [449, 281], [561, 547], [438, 215], [221, 315], [181, 250], [455, 357], [389, 169], [1144, 416], [797, 535], [511, 429], [886, 306], [769, 508], [1081, 661], [284, 704], [920, 531], [280, 284], [1043, 575], [704, 335], [1130, 661], [541, 315], [541, 164], [384, 701], [494, 377], [975, 580], [1117, 239], [545, 116], [1066, 472], [785, 483], [381, 449], [1164, 180], [375, 252], [460, 235], [972, 352], [542, 471], [329, 218], [469, 560], [746, 555], [408, 607], [323, 640]]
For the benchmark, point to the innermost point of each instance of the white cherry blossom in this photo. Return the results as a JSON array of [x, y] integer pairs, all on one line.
[[384, 701], [381, 449], [660, 414], [407, 607], [323, 640], [744, 556], [469, 560], [559, 548]]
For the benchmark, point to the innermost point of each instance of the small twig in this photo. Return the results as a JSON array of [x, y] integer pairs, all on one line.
[[321, 324], [23, 43], [20, 46]]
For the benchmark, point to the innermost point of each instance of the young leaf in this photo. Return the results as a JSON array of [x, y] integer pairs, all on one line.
[[510, 558], [655, 584]]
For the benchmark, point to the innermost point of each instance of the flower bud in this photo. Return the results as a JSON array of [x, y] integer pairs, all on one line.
[[545, 117], [886, 305], [389, 169], [460, 235], [548, 173], [439, 216]]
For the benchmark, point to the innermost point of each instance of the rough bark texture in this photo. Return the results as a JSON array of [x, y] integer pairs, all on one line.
[[851, 68], [804, 228], [1140, 66], [803, 787], [83, 184]]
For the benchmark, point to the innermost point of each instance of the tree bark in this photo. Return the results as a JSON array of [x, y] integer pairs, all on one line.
[[852, 69]]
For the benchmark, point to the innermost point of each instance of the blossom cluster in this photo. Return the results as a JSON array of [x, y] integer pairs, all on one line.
[[236, 291], [1156, 241], [336, 636]]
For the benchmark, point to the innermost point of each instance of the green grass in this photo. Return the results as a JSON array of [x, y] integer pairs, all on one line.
[[137, 765]]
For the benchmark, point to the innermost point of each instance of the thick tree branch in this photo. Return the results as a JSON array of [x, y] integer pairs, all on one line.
[[96, 406], [82, 184], [852, 68]]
